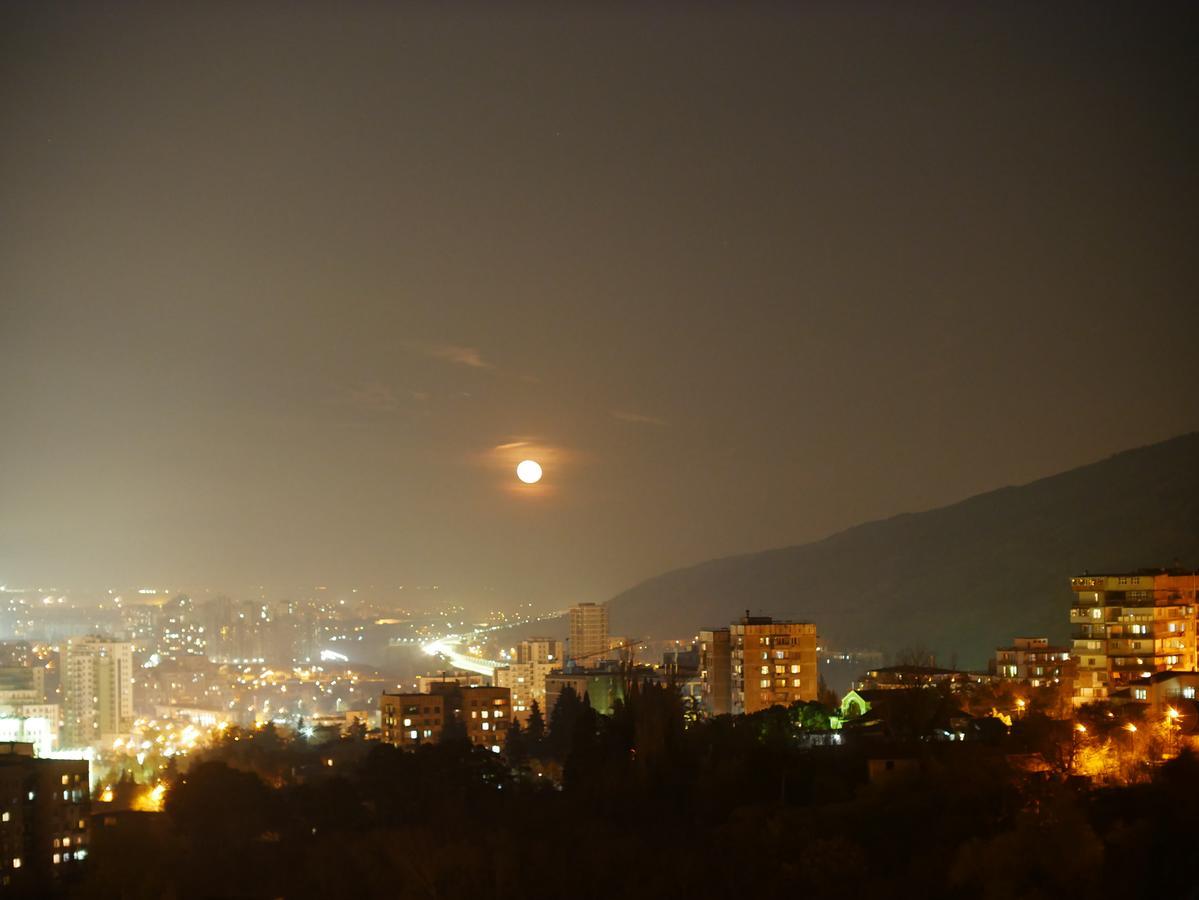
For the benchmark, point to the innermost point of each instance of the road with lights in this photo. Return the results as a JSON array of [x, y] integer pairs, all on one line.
[[451, 647]]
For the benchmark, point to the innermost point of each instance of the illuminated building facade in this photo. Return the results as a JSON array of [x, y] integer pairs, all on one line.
[[179, 631], [409, 720], [773, 663], [1162, 691], [1033, 661], [525, 677], [486, 712], [588, 631], [1131, 626], [97, 682], [44, 811]]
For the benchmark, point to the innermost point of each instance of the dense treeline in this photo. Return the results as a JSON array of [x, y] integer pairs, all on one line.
[[633, 805]]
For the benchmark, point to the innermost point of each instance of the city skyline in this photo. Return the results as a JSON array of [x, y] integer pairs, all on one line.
[[674, 449]]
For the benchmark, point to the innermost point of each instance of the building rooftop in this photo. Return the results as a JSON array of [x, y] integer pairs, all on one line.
[[1173, 571]]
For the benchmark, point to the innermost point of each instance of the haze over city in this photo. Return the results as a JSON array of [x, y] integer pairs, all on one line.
[[278, 283], [516, 449]]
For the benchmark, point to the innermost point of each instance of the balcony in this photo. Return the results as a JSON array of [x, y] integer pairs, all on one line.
[[1147, 664], [1136, 619], [1131, 647]]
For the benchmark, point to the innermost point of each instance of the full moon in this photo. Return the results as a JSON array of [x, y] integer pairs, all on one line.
[[528, 471]]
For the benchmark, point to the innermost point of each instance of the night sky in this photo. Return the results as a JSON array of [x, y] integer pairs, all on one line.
[[286, 290]]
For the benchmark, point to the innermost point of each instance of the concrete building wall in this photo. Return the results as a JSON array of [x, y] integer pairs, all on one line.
[[773, 663], [588, 632]]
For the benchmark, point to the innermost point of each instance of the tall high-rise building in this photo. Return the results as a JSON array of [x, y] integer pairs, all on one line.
[[1131, 626], [525, 676], [97, 683], [715, 672], [44, 824], [773, 663], [588, 631], [180, 632]]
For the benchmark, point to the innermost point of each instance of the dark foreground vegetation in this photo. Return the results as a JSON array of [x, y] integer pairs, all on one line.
[[636, 805]]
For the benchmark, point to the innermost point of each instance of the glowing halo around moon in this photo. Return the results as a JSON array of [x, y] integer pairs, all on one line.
[[528, 471]]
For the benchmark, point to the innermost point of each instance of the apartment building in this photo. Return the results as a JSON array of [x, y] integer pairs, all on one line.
[[97, 683], [772, 663], [1130, 626], [44, 809], [409, 720], [588, 632], [1033, 661], [525, 676]]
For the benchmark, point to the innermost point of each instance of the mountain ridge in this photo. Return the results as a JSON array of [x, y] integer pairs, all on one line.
[[1133, 509]]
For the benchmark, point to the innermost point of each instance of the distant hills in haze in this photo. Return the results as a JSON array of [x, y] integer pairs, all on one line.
[[960, 580]]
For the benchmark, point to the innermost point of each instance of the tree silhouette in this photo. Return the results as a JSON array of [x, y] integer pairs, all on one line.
[[563, 719], [535, 727], [516, 745]]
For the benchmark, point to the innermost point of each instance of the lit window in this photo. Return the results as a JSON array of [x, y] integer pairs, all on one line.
[[795, 682], [65, 780], [486, 714], [407, 723], [486, 726], [1187, 692], [414, 734], [16, 863], [57, 858], [765, 670], [764, 683], [795, 668]]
